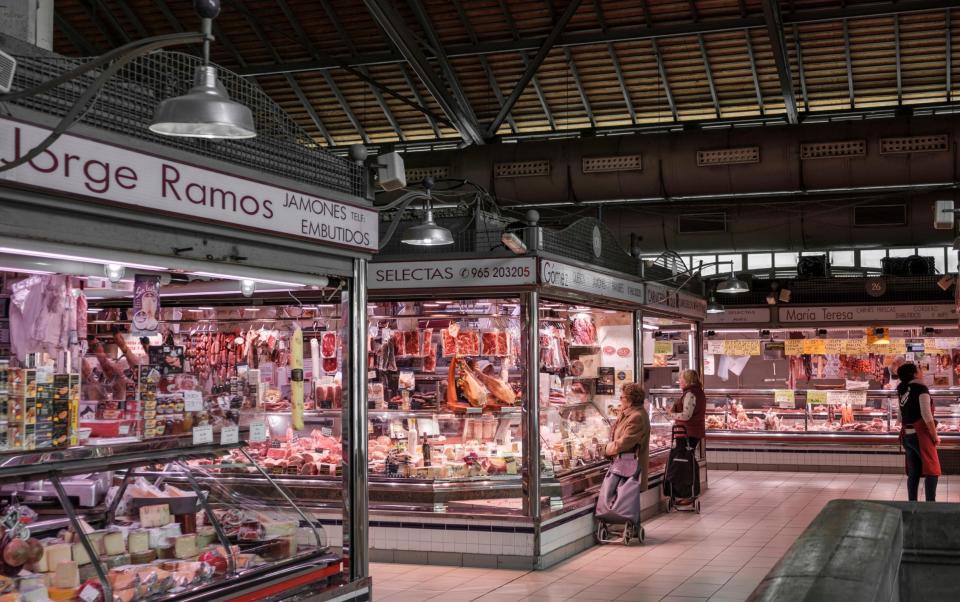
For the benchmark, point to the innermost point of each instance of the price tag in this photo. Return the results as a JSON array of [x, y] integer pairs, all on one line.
[[855, 346], [785, 398], [229, 435], [202, 434], [856, 399], [258, 431], [556, 503], [474, 410], [89, 594], [814, 346], [816, 397], [663, 348], [833, 346], [793, 347], [439, 507], [192, 401], [741, 347], [326, 431], [715, 347]]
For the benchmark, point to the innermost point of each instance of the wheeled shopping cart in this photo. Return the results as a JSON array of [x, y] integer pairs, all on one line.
[[681, 483], [618, 504]]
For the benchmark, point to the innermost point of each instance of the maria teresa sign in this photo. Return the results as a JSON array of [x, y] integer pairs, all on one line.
[[115, 175]]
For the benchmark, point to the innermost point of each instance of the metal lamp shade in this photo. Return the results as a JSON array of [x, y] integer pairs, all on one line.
[[733, 285], [714, 308], [206, 111], [427, 234]]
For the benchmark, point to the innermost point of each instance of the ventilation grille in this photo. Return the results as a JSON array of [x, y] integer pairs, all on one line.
[[7, 66], [830, 150], [728, 156], [416, 174], [697, 223], [914, 144], [880, 215], [617, 163], [522, 169]]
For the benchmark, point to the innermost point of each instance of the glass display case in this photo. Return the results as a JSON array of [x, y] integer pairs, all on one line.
[[149, 521]]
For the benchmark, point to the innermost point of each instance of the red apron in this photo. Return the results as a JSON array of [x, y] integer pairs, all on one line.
[[928, 450]]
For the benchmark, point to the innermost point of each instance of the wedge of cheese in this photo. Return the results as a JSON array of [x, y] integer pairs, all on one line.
[[155, 516], [80, 554], [185, 546], [57, 553], [138, 541], [67, 575], [113, 543]]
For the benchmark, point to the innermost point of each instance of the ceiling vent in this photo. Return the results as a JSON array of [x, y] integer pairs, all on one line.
[[914, 144], [833, 150], [522, 169], [417, 174], [616, 163], [880, 215], [728, 156], [701, 223]]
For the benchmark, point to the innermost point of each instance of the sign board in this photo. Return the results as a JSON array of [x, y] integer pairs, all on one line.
[[741, 347], [740, 315], [663, 348], [582, 280], [115, 175], [814, 316], [856, 399], [785, 398], [816, 397], [678, 302], [503, 271]]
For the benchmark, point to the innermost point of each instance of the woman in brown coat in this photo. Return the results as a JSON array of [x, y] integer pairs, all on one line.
[[631, 432]]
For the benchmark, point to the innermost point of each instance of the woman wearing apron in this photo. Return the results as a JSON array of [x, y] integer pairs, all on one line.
[[918, 433]]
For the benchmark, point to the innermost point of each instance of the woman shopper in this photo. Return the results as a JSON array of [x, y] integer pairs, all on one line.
[[690, 411], [918, 433], [631, 431]]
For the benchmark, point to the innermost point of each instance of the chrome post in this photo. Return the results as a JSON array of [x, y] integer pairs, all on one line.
[[531, 422], [356, 496]]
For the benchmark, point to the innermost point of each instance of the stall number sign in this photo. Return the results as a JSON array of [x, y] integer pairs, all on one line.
[[506, 271], [784, 398], [111, 174]]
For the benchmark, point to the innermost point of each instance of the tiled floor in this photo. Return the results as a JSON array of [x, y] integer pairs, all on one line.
[[749, 520]]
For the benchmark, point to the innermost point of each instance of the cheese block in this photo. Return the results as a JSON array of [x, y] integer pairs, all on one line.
[[157, 537], [279, 528], [138, 541], [61, 594], [80, 554], [34, 594], [67, 575], [57, 553], [143, 557], [205, 536], [165, 552], [96, 541], [41, 565], [113, 544], [185, 546], [112, 562], [155, 516]]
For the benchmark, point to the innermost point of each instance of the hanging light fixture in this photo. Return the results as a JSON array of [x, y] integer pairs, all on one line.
[[427, 234], [733, 285], [206, 111], [713, 307], [114, 272], [248, 287]]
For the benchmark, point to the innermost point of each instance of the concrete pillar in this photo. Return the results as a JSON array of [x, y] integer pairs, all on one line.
[[28, 20]]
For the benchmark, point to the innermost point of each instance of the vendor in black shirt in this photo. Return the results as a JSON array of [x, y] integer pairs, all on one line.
[[918, 433]]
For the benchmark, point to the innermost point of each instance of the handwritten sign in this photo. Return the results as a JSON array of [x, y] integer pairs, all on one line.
[[793, 347], [816, 397], [193, 401], [856, 399], [833, 346], [715, 347], [742, 347], [854, 346], [229, 435], [785, 398], [258, 431], [663, 348], [814, 346], [202, 434]]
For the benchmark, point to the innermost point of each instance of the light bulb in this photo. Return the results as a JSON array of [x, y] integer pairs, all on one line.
[[113, 271], [247, 287]]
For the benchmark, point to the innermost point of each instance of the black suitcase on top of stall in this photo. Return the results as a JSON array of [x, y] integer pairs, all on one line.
[[682, 479]]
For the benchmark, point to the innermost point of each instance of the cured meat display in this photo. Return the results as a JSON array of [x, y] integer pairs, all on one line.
[[488, 343], [411, 343], [583, 331], [328, 345], [468, 343], [448, 343]]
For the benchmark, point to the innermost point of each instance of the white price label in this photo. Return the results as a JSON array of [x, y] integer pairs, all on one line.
[[326, 431], [258, 431], [192, 401], [229, 435], [202, 434], [89, 594]]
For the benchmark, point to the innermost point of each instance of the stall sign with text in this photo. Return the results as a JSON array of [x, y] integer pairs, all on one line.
[[114, 175], [879, 314], [582, 280], [503, 271]]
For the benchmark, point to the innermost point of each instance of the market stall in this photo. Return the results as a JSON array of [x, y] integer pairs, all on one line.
[[803, 387], [153, 313]]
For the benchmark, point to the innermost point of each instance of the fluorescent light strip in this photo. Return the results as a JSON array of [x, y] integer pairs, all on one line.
[[221, 293], [26, 271], [257, 280], [139, 266]]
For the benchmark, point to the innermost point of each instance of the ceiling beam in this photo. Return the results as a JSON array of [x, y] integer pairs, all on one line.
[[896, 50], [709, 73], [416, 95], [484, 63], [446, 69], [753, 71], [849, 61], [100, 7], [584, 100], [800, 70], [405, 42], [661, 68], [771, 14], [131, 16], [626, 34], [161, 6], [308, 107], [76, 39], [541, 97], [949, 54], [617, 68], [533, 66], [347, 109]]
